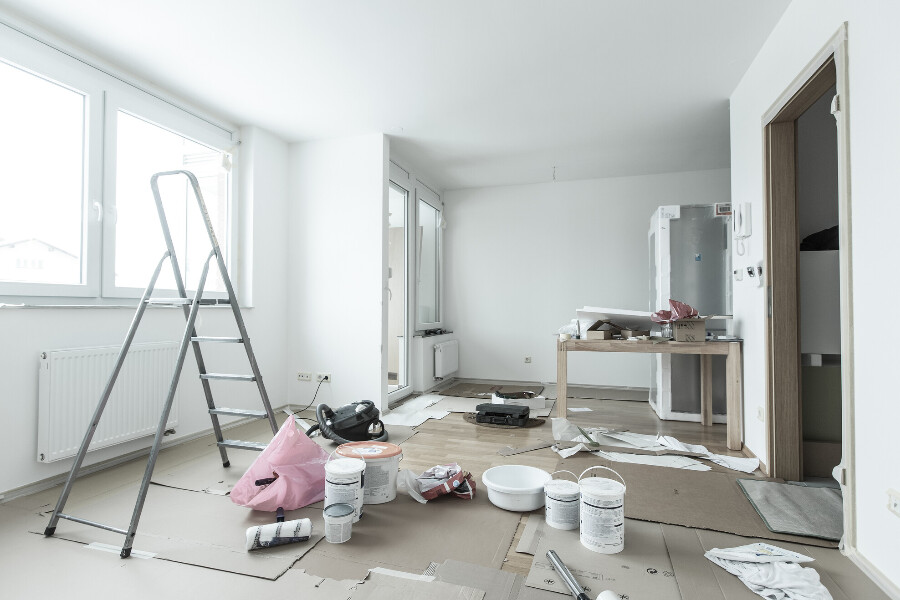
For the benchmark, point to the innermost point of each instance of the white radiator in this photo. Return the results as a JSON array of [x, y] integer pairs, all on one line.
[[446, 358], [70, 385]]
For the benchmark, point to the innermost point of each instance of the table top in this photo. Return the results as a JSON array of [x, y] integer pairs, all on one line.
[[648, 346]]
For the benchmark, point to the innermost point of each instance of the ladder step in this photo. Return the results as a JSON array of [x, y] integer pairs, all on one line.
[[239, 412], [228, 376], [221, 340], [92, 523], [241, 445]]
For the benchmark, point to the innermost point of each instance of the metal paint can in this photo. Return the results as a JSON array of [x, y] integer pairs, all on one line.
[[345, 483], [338, 522], [561, 500], [602, 517]]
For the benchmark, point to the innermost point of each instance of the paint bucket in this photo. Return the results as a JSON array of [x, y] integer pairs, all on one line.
[[345, 482], [382, 463], [561, 499], [338, 522], [602, 512]]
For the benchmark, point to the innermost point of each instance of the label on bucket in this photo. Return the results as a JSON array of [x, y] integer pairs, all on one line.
[[603, 524], [561, 513]]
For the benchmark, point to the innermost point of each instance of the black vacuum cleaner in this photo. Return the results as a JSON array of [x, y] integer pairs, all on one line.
[[355, 422]]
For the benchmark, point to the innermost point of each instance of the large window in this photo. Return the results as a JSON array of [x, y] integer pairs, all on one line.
[[77, 215]]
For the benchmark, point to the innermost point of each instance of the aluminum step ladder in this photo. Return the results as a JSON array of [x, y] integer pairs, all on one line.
[[190, 306]]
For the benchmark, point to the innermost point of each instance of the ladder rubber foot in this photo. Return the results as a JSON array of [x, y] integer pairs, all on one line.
[[125, 553], [226, 464], [49, 531]]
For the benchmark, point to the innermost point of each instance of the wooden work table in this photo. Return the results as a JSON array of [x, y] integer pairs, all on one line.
[[730, 349]]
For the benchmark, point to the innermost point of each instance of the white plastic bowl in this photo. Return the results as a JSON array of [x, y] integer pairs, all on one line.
[[516, 487]]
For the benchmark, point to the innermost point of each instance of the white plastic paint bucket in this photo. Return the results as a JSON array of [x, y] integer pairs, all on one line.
[[338, 522], [382, 463], [561, 500], [345, 482], [602, 512]]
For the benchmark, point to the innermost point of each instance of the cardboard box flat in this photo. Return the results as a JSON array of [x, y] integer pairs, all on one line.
[[689, 330], [698, 578], [702, 499], [384, 586], [497, 585], [409, 535], [187, 527], [642, 570]]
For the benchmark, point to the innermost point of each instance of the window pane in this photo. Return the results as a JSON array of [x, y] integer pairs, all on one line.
[[428, 291], [142, 150], [41, 179]]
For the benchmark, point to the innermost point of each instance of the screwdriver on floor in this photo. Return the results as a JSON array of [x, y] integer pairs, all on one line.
[[568, 579]]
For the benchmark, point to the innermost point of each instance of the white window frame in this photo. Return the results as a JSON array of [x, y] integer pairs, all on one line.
[[33, 57], [180, 123], [107, 92], [400, 177], [428, 196]]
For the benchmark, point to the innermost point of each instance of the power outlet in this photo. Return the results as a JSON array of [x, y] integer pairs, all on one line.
[[323, 377], [301, 376], [894, 502], [528, 359]]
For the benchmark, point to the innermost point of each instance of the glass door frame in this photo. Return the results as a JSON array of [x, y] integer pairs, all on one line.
[[401, 178]]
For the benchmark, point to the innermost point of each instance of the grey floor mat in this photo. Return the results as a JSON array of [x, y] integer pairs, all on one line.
[[797, 509]]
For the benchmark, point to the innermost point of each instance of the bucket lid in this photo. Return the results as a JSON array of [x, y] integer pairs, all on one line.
[[338, 510], [601, 485], [369, 450], [345, 466], [561, 486]]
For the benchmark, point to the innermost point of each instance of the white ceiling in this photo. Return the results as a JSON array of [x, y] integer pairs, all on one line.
[[472, 92]]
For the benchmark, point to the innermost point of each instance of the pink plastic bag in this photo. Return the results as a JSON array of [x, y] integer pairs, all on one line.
[[299, 464]]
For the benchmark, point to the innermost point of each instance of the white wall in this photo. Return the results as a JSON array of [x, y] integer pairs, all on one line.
[[521, 259], [29, 331], [338, 268], [873, 46]]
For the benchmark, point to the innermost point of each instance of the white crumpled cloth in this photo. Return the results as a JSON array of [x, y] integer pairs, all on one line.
[[771, 572]]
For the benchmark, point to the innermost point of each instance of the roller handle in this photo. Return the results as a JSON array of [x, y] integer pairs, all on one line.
[[279, 515], [577, 591]]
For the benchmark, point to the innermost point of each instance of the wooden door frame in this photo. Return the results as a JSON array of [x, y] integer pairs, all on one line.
[[784, 411]]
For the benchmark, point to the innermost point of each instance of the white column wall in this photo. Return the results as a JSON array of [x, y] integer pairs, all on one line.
[[338, 268]]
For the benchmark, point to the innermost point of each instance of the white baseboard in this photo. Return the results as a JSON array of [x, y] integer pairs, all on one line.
[[872, 572]]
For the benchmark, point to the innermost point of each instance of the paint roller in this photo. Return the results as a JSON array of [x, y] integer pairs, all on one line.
[[278, 533], [576, 590]]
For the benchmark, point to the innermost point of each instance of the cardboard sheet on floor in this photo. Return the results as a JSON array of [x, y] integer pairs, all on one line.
[[182, 526], [577, 392], [700, 579], [642, 570], [497, 584], [408, 535], [408, 586], [706, 500], [467, 405]]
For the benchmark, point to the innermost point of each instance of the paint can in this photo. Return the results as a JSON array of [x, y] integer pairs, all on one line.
[[602, 516], [345, 482], [382, 464], [338, 522], [561, 500]]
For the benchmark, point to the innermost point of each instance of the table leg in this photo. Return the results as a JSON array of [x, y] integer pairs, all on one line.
[[561, 376], [734, 396], [706, 389]]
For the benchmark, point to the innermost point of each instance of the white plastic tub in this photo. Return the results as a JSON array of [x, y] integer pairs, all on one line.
[[517, 488]]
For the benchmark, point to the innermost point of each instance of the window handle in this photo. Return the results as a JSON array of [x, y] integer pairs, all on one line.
[[98, 208]]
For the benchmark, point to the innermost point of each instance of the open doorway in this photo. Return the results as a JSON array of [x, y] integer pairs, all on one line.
[[808, 337]]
